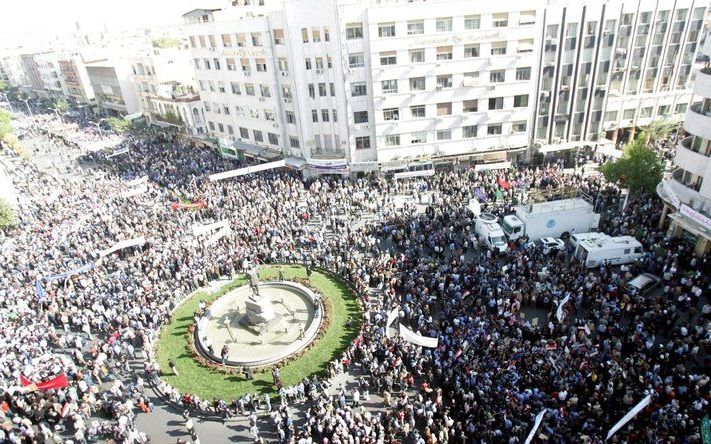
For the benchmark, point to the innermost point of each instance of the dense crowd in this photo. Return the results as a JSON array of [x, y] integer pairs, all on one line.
[[491, 373]]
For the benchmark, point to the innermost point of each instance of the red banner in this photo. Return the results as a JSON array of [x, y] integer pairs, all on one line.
[[503, 183], [189, 206], [57, 382]]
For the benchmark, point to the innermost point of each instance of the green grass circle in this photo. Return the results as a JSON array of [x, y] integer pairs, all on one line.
[[198, 380]]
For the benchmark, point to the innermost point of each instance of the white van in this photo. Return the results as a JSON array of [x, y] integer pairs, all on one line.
[[609, 251], [490, 233], [592, 236]]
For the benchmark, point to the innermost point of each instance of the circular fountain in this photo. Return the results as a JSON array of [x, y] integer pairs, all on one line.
[[260, 323]]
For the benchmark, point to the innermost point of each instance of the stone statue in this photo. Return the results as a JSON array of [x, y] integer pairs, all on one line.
[[253, 278]]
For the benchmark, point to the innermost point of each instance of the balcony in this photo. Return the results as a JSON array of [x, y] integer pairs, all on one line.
[[702, 85], [687, 195], [697, 122], [690, 159]]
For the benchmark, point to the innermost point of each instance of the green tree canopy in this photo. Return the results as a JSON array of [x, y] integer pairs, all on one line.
[[62, 106], [7, 214], [166, 42], [5, 124], [658, 129], [639, 168], [4, 87], [118, 124]]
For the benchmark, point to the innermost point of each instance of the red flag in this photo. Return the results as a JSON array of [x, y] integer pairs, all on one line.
[[503, 183], [24, 381], [189, 206], [57, 382]]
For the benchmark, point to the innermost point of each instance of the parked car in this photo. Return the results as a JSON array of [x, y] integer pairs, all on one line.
[[548, 244], [642, 283]]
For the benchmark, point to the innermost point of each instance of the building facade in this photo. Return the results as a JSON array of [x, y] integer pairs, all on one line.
[[50, 74], [112, 82], [398, 84], [608, 68], [165, 87], [76, 79], [687, 192]]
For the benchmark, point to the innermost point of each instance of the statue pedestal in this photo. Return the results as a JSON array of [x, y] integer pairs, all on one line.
[[259, 310]]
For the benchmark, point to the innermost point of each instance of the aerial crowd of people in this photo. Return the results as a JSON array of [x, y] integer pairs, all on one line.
[[492, 373]]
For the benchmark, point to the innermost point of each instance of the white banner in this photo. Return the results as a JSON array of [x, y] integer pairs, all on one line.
[[136, 182], [118, 152], [672, 195], [123, 244], [695, 216], [631, 414], [202, 229], [409, 174], [559, 313], [411, 336], [392, 317], [224, 231], [247, 170], [536, 425], [135, 191]]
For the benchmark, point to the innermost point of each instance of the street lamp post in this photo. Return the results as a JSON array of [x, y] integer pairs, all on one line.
[[56, 111], [98, 125], [8, 101], [27, 102]]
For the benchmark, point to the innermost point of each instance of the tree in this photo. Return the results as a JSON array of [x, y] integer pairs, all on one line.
[[7, 214], [118, 124], [658, 129], [166, 42], [639, 168], [62, 106], [4, 87], [5, 124]]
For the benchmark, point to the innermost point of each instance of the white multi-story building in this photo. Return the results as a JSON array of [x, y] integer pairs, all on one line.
[[14, 71], [76, 79], [610, 67], [687, 193], [165, 87], [50, 74], [111, 80], [367, 84]]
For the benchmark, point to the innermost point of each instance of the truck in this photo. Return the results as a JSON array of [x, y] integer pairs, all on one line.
[[489, 232], [556, 218], [609, 251]]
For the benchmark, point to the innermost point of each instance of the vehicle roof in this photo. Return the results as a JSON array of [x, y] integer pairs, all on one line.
[[608, 243], [641, 280]]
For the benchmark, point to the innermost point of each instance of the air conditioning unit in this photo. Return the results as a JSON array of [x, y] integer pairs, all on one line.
[[274, 125], [318, 71], [247, 73], [261, 99], [285, 73], [491, 87], [438, 88], [287, 99]]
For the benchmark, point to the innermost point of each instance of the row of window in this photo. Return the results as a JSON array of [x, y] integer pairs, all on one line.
[[257, 136], [242, 111], [388, 58], [244, 64], [323, 90], [441, 24], [644, 112], [444, 108], [324, 115], [467, 132], [315, 34], [237, 88]]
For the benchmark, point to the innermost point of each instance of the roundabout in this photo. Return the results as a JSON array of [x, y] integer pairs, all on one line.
[[257, 330], [326, 333]]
